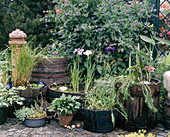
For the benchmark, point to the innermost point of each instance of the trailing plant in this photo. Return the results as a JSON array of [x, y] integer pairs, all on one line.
[[104, 96], [33, 112], [65, 105], [110, 29], [9, 96], [141, 73]]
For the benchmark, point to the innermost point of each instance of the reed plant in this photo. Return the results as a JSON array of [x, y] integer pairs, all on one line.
[[24, 62]]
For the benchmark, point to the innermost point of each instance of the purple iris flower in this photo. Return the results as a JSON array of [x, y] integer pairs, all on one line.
[[109, 48]]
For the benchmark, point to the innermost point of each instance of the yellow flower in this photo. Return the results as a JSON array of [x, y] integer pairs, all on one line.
[[150, 26]]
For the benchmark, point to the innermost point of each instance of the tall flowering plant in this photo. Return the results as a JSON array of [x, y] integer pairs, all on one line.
[[75, 70], [110, 28], [90, 70]]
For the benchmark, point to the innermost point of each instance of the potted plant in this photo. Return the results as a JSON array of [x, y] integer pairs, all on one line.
[[32, 117], [24, 61], [101, 106], [7, 98], [65, 107]]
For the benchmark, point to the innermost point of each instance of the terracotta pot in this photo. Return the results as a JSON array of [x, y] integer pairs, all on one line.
[[65, 120]]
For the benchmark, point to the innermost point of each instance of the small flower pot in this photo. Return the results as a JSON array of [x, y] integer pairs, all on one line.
[[65, 120], [3, 115], [35, 122]]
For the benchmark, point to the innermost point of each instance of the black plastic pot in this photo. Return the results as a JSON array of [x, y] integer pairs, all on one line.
[[35, 122], [98, 121], [3, 115]]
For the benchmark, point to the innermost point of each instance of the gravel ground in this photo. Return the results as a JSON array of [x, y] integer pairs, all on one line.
[[52, 129]]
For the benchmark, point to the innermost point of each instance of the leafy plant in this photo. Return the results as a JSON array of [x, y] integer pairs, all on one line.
[[104, 96], [33, 112], [65, 104], [9, 96], [110, 29]]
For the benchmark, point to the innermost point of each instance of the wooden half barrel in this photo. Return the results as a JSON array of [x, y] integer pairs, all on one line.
[[139, 115], [32, 94], [167, 113], [98, 121], [51, 70]]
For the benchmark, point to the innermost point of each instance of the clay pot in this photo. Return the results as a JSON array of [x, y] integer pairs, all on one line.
[[65, 120]]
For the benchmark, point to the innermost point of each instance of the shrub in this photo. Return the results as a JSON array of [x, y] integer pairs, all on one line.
[[24, 15], [109, 28]]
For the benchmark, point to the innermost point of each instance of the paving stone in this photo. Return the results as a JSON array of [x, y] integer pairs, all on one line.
[[3, 135], [10, 133], [16, 135]]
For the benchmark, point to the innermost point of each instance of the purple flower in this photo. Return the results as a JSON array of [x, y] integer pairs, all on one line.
[[109, 48], [122, 19], [79, 51], [40, 20]]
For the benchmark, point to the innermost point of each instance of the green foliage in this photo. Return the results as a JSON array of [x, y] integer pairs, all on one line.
[[25, 15], [33, 112], [104, 96], [139, 74], [65, 104], [30, 86], [9, 96], [108, 28], [25, 61]]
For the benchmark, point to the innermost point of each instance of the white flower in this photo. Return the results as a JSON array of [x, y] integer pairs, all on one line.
[[146, 82], [63, 88], [87, 53], [60, 44], [79, 51]]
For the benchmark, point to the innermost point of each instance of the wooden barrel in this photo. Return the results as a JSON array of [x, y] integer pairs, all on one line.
[[51, 70], [139, 115], [32, 94], [167, 113]]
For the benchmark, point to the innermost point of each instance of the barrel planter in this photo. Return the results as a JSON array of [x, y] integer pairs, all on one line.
[[3, 115], [167, 113], [98, 121], [52, 94], [139, 115], [32, 94], [51, 70], [34, 122]]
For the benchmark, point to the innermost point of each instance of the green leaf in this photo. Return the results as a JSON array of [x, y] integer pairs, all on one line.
[[162, 40], [87, 42], [147, 39], [99, 69]]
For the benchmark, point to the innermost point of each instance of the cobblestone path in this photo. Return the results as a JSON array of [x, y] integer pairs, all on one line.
[[52, 129]]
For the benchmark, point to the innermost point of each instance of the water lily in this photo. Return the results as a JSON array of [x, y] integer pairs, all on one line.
[[63, 88]]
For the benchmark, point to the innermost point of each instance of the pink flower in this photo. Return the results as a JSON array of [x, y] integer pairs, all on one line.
[[168, 33], [150, 69], [161, 35]]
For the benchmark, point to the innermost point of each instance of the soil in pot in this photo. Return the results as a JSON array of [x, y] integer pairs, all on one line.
[[98, 121], [65, 120], [139, 115], [35, 122], [3, 115]]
